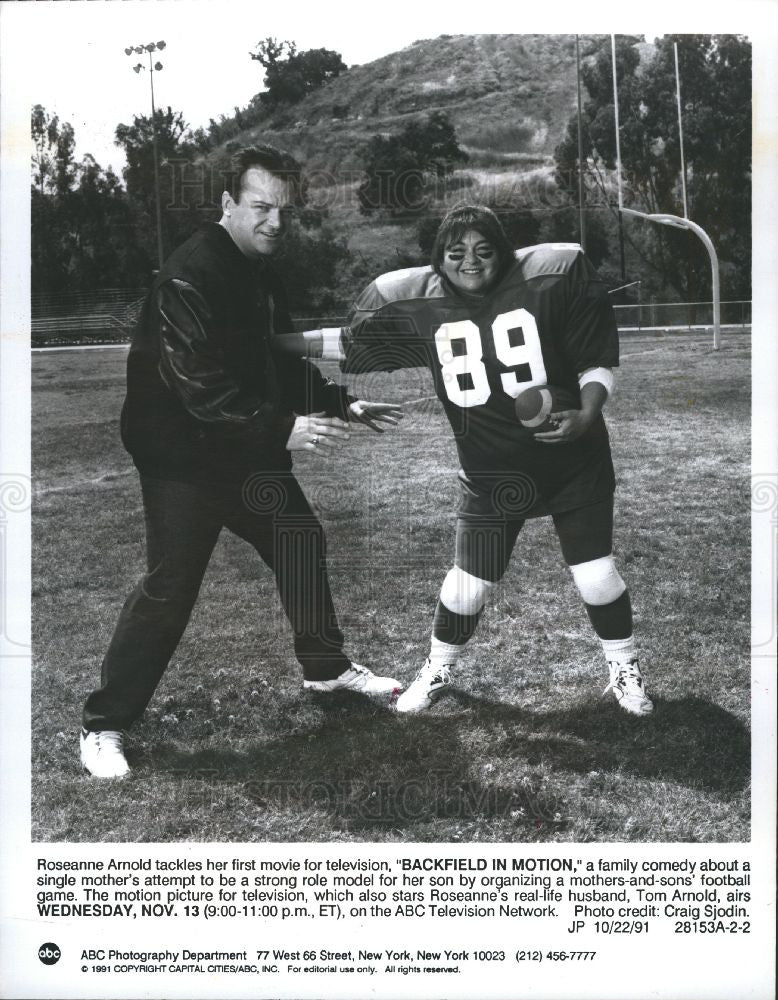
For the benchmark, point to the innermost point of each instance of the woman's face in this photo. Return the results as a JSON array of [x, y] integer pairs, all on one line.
[[470, 263]]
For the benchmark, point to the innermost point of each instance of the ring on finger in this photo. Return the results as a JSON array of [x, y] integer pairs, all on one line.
[[315, 440]]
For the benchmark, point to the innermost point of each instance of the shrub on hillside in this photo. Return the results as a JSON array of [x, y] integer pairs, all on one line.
[[291, 75], [360, 269], [310, 262], [396, 166]]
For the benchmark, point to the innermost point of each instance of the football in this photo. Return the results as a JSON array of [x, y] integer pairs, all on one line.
[[535, 405]]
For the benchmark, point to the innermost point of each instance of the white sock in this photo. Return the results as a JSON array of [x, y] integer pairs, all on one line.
[[621, 650], [444, 652]]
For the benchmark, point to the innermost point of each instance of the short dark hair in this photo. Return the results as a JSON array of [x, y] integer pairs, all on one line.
[[464, 217], [276, 161]]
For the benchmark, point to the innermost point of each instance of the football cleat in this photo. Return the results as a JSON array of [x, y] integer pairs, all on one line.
[[626, 683], [102, 754], [428, 685], [360, 680]]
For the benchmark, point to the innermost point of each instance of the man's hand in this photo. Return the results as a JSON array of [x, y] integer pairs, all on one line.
[[375, 414], [319, 433]]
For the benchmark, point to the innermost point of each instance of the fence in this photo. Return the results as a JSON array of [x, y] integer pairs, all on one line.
[[108, 317], [676, 316], [102, 317], [681, 315]]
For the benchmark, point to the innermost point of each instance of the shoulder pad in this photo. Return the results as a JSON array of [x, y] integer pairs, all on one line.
[[398, 286], [549, 258]]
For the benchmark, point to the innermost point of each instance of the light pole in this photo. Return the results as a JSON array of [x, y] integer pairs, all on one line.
[[139, 50]]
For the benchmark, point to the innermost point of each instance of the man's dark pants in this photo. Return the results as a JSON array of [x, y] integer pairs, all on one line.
[[183, 522]]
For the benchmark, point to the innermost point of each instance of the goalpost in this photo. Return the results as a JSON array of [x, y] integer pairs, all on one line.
[[663, 218]]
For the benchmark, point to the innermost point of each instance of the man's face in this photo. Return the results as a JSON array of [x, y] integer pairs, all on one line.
[[471, 263], [257, 221]]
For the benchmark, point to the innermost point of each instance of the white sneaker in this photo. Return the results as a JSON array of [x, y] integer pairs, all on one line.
[[627, 685], [428, 685], [357, 679], [102, 754]]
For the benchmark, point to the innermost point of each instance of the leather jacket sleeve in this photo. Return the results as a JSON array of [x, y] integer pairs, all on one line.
[[192, 366]]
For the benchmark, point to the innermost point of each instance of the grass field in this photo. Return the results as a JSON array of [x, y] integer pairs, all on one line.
[[524, 749]]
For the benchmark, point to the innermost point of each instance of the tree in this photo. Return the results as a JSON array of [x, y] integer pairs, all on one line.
[[715, 73], [82, 232], [137, 142], [105, 252], [291, 75], [177, 154], [396, 166], [53, 163], [562, 226], [270, 50], [310, 262]]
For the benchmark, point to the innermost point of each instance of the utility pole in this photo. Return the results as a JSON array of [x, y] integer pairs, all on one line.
[[139, 50]]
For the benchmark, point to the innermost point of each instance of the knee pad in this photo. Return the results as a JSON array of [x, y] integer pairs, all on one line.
[[464, 594], [598, 581]]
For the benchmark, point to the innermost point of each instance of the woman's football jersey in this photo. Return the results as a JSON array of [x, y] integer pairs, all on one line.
[[547, 320]]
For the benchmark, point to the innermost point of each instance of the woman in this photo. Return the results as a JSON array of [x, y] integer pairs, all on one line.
[[490, 323]]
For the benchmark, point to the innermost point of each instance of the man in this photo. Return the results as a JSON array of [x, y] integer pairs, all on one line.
[[490, 323], [211, 420]]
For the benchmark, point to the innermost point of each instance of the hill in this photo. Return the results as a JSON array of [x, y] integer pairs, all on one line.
[[509, 97]]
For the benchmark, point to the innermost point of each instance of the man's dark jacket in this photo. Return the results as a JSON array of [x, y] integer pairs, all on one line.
[[207, 402]]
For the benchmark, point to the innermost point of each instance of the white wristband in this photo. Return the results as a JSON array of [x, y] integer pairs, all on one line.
[[331, 343], [602, 375]]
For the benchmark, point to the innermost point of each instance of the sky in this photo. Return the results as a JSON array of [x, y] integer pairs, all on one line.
[[80, 71], [72, 51]]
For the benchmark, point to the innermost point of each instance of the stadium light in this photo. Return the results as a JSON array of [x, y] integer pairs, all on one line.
[[153, 66]]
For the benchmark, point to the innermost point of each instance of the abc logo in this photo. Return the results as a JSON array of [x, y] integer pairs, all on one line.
[[49, 953]]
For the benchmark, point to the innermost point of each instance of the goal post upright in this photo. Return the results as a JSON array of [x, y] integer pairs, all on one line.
[[680, 129], [618, 127], [663, 218]]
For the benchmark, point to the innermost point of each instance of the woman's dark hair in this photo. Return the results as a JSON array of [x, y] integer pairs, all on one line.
[[275, 161], [457, 222]]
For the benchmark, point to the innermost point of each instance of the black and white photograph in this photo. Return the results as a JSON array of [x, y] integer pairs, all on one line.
[[401, 476]]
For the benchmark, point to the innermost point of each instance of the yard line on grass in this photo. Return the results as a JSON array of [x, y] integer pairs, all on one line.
[[106, 477], [80, 347], [423, 399], [637, 354]]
